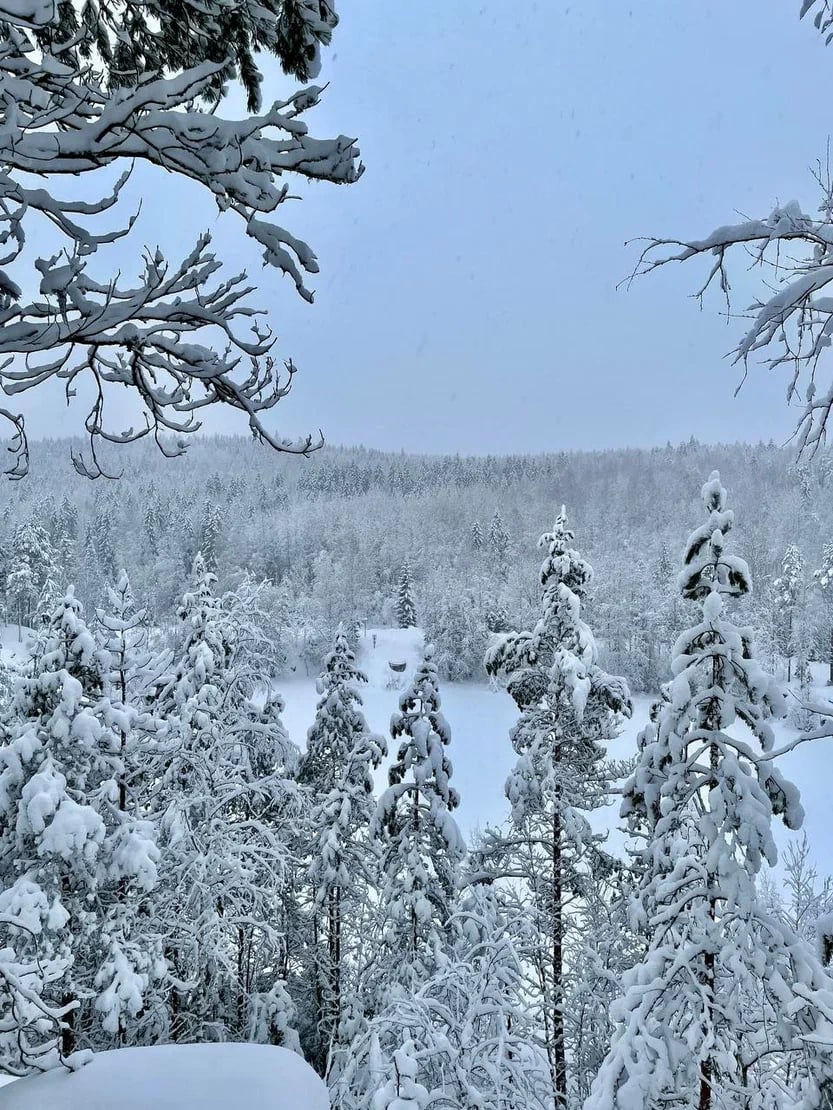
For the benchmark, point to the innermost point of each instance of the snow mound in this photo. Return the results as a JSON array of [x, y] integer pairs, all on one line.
[[378, 647], [176, 1077]]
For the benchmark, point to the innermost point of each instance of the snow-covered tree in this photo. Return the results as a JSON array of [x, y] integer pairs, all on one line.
[[405, 608], [476, 534], [225, 804], [499, 538], [402, 1091], [139, 90], [823, 578], [337, 768], [468, 1023], [68, 851], [129, 932], [788, 598], [422, 848], [728, 1007], [32, 571], [569, 709]]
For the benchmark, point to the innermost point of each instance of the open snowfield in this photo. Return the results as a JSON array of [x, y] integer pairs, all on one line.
[[481, 716]]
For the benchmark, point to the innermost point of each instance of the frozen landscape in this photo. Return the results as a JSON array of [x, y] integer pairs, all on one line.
[[416, 617]]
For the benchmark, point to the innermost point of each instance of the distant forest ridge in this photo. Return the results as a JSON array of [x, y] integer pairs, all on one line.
[[332, 532]]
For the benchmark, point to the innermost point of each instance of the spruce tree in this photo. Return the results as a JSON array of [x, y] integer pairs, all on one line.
[[499, 538], [569, 709], [129, 933], [788, 597], [337, 769], [728, 1007], [405, 608], [823, 577], [422, 848]]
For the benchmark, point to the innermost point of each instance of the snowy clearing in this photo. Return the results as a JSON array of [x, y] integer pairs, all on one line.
[[481, 716]]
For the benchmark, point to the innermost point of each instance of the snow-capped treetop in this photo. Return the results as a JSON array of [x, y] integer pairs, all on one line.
[[560, 636], [339, 720], [425, 734]]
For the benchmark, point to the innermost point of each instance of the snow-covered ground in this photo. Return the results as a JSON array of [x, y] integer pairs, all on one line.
[[481, 716], [176, 1077], [13, 641]]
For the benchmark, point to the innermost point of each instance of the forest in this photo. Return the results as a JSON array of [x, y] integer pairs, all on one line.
[[485, 771]]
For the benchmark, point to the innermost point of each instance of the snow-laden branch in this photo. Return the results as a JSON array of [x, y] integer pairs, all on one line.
[[791, 321], [181, 337]]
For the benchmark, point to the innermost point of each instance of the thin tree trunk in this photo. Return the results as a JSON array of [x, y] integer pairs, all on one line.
[[559, 1055], [707, 1065]]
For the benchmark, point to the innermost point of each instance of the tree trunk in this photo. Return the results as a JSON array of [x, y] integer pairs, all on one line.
[[707, 1065], [559, 1052]]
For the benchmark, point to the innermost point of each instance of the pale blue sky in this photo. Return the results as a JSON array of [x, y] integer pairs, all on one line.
[[467, 297]]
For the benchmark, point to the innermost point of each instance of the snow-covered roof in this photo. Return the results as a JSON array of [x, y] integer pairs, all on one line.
[[176, 1077]]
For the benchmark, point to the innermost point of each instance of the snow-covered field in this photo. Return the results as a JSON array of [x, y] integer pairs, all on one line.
[[481, 716]]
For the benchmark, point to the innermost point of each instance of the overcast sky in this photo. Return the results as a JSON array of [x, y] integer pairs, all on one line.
[[467, 298]]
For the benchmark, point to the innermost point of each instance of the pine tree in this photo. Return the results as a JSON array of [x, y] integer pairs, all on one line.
[[337, 769], [405, 608], [569, 708], [422, 848], [477, 540], [728, 1007]]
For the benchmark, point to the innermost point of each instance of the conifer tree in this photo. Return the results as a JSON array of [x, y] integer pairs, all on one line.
[[788, 596], [422, 848], [477, 540], [569, 709], [129, 933], [66, 850], [499, 538], [337, 769], [823, 577], [728, 1006], [211, 526], [405, 608]]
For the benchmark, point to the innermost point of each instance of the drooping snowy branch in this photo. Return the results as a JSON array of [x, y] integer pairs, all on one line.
[[181, 337], [791, 319]]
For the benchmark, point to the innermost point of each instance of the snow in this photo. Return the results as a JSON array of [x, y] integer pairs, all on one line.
[[13, 643], [176, 1077], [481, 715]]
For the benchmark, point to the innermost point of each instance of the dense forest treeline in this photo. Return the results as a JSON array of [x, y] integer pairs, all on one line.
[[331, 535]]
